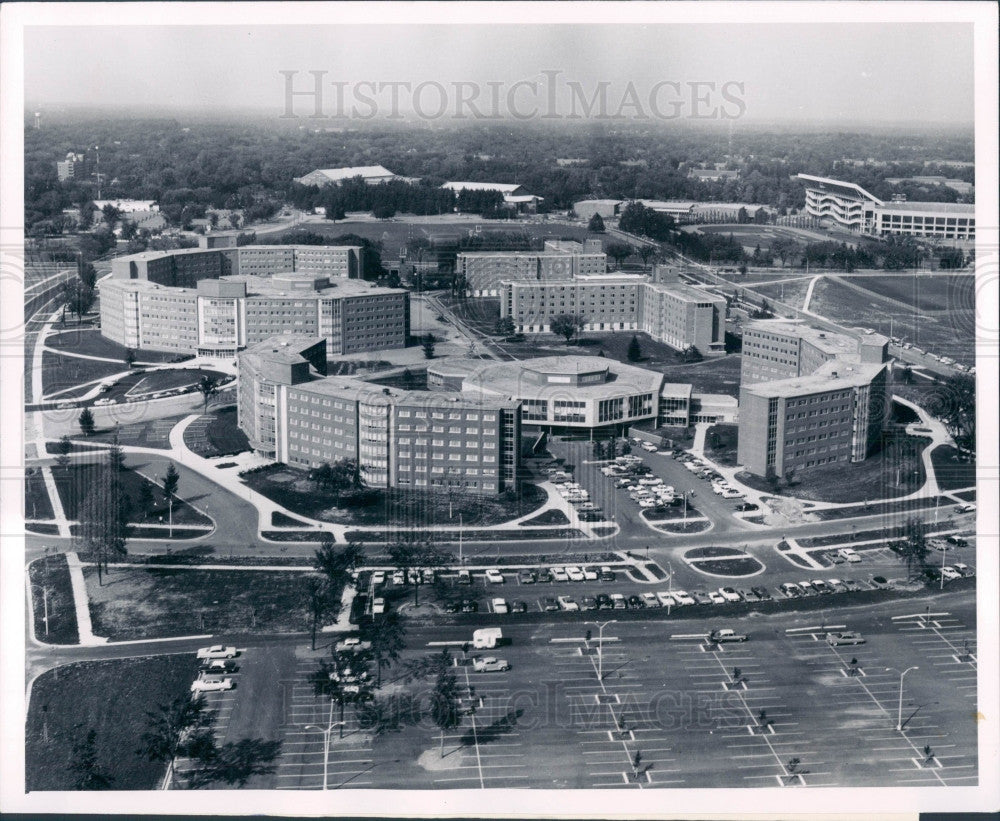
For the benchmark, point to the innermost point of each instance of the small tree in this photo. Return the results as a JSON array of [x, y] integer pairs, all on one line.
[[208, 386], [129, 357], [317, 601], [86, 421], [634, 350], [445, 704], [89, 775], [427, 343], [646, 253], [504, 326], [913, 547], [567, 325], [146, 500], [596, 224], [387, 635], [618, 251], [692, 354], [170, 481], [104, 517], [63, 448]]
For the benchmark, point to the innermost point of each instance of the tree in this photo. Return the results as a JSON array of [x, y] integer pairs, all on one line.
[[111, 215], [171, 728], [170, 480], [89, 774], [692, 354], [596, 224], [208, 386], [504, 326], [146, 500], [954, 403], [336, 566], [618, 251], [912, 547], [129, 357], [634, 351], [63, 448], [566, 325], [345, 678], [386, 634], [445, 704], [235, 763], [427, 343], [317, 601], [104, 517], [904, 373], [409, 556], [429, 666], [78, 297], [646, 253]]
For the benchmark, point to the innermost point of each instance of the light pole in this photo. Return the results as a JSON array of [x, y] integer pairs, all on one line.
[[899, 712], [170, 508], [600, 645], [326, 731], [461, 525]]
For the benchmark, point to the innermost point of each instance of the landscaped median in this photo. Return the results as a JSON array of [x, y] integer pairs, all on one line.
[[52, 601], [723, 561]]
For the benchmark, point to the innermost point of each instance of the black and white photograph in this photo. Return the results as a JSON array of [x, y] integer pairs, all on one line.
[[522, 409]]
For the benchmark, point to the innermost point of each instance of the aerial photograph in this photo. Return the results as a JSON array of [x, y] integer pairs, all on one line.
[[424, 403]]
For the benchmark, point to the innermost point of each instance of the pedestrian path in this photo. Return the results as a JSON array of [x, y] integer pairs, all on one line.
[[81, 602], [59, 514]]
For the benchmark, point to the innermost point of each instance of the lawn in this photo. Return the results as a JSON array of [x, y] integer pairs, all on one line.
[[720, 443], [880, 476], [716, 375], [951, 471], [746, 566], [404, 509], [655, 356], [136, 603], [947, 331], [549, 517], [73, 482], [139, 386], [925, 292], [111, 697], [37, 504], [216, 434], [711, 553], [154, 433], [792, 292], [63, 372], [88, 341], [51, 586]]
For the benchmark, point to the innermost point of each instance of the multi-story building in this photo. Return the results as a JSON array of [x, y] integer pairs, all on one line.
[[669, 311], [833, 415], [72, 167], [785, 348], [561, 392], [220, 316], [484, 271], [851, 206], [184, 267], [808, 397], [371, 174], [418, 440]]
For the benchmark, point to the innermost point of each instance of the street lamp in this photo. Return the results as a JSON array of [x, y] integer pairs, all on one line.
[[326, 731], [600, 645], [899, 713]]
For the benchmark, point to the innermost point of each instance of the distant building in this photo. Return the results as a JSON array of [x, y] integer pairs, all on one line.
[[417, 440], [484, 271], [808, 397], [669, 311], [514, 196], [852, 207], [712, 174], [608, 209], [127, 207], [570, 162], [960, 186], [70, 168], [371, 174]]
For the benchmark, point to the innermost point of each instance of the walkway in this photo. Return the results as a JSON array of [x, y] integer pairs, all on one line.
[[58, 513], [809, 294], [81, 602]]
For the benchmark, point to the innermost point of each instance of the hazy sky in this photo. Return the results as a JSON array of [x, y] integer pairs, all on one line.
[[850, 72]]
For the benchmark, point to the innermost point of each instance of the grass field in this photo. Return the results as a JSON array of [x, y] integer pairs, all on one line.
[[111, 697], [720, 442], [150, 603], [951, 472], [947, 331], [393, 508], [152, 434], [74, 481], [792, 292], [925, 292], [62, 372], [88, 341], [52, 594], [717, 375], [37, 504], [216, 434], [153, 381]]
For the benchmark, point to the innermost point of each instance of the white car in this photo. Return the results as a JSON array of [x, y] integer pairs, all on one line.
[[716, 597], [500, 606], [208, 684], [378, 577], [558, 574], [378, 606], [649, 447], [217, 651], [575, 574], [398, 577], [729, 594], [666, 600], [950, 573], [490, 664], [590, 574], [568, 603], [848, 554], [650, 600], [732, 493], [682, 597], [494, 576], [647, 503]]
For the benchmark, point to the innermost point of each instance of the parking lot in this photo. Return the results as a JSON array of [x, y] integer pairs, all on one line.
[[653, 704]]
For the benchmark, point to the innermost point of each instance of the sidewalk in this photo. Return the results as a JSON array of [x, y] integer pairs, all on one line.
[[81, 602]]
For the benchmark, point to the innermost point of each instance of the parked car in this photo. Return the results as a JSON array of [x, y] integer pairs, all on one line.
[[470, 606], [790, 590], [549, 604], [378, 578], [964, 569], [879, 582], [716, 597], [542, 575], [607, 574], [727, 634], [745, 506], [958, 541], [635, 602], [845, 637], [950, 573], [575, 574], [684, 598], [568, 603], [618, 601], [500, 606], [649, 447], [701, 597], [378, 606], [452, 606], [836, 585], [849, 554], [666, 599], [559, 575], [217, 651], [518, 607], [590, 574], [526, 577], [730, 594], [761, 593], [464, 577], [650, 600], [490, 664], [208, 684], [494, 576], [588, 603], [807, 588], [603, 601], [218, 666]]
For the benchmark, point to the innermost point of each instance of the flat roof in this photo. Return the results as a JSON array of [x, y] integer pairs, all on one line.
[[350, 172], [828, 341], [853, 188], [355, 389], [503, 187], [848, 375], [676, 390], [265, 286], [688, 293], [286, 349], [965, 208]]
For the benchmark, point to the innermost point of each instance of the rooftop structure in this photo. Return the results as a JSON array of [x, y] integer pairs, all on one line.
[[371, 174]]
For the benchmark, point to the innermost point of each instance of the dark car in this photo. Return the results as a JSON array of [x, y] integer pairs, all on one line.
[[761, 593], [588, 603], [452, 606], [526, 577], [470, 606], [958, 541], [518, 607], [603, 601], [744, 506], [543, 576], [636, 603], [550, 604]]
